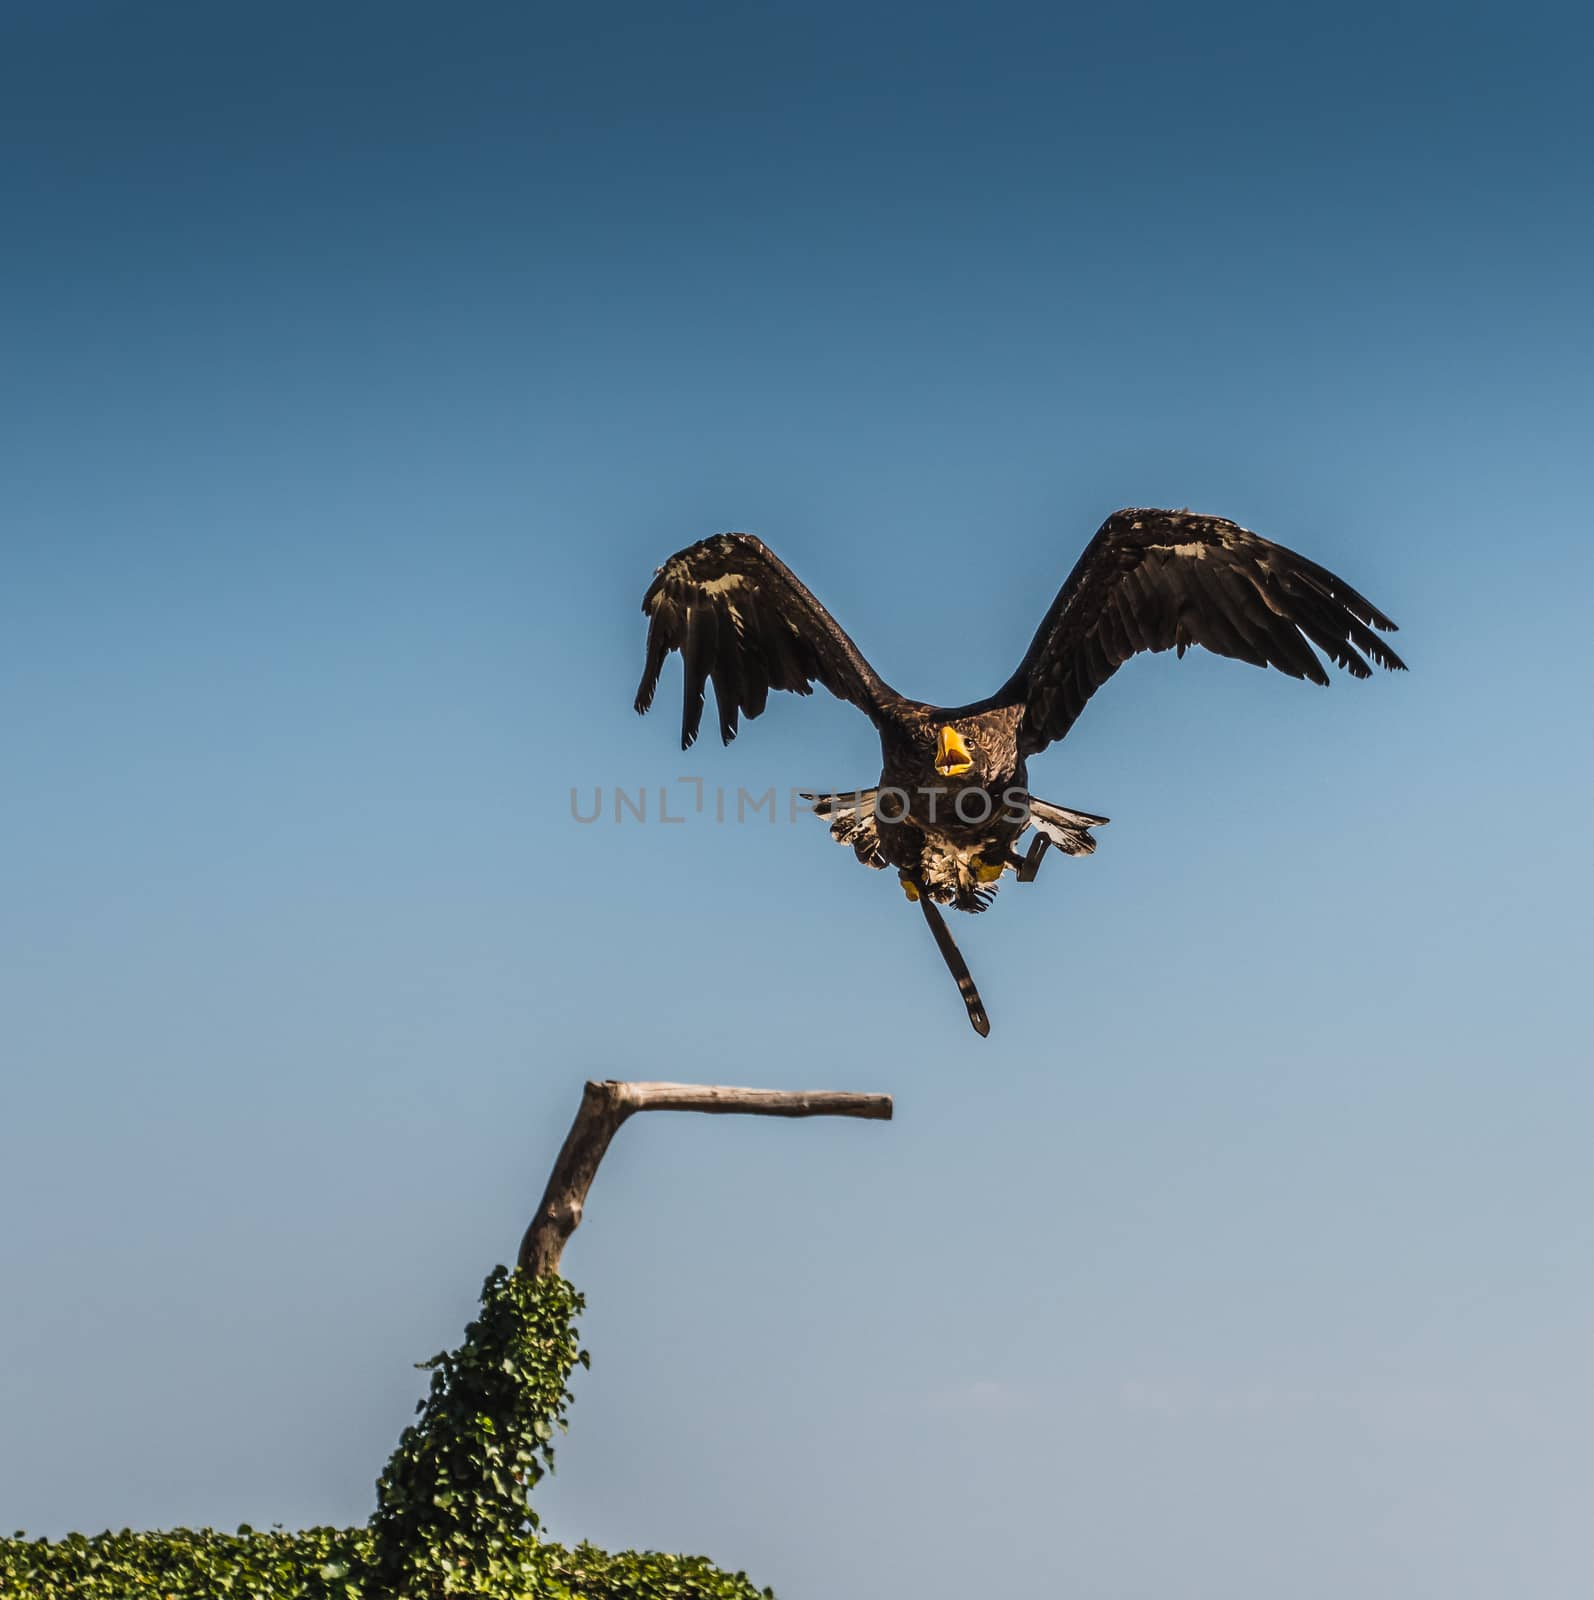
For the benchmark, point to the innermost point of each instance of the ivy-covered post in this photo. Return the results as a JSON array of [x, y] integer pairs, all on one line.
[[452, 1515], [451, 1508], [607, 1104]]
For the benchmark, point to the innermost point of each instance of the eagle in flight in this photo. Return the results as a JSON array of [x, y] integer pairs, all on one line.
[[953, 802]]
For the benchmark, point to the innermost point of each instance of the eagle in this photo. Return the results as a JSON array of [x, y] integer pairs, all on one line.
[[952, 805]]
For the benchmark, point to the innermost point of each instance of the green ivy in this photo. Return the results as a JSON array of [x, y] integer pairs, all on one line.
[[452, 1515], [451, 1507], [325, 1564]]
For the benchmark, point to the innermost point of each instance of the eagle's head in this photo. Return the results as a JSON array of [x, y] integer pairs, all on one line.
[[955, 755]]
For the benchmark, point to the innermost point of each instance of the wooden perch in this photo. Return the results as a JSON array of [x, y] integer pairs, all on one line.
[[604, 1106]]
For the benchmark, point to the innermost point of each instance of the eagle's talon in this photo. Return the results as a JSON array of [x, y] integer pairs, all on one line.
[[909, 887]]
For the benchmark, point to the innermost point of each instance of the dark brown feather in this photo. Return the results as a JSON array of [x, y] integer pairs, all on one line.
[[1160, 580], [743, 622]]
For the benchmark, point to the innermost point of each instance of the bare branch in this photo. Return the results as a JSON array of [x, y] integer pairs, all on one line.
[[604, 1106], [758, 1102]]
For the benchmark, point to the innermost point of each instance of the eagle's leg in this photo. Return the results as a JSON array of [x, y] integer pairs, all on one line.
[[950, 954], [1031, 864]]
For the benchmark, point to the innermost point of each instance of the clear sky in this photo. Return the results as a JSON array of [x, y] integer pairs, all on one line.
[[360, 363]]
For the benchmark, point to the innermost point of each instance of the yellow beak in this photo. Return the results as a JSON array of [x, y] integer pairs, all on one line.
[[952, 758]]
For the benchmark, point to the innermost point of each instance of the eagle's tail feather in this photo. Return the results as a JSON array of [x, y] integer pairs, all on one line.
[[852, 821], [1068, 830]]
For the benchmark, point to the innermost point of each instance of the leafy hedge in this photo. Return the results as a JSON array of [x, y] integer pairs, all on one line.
[[326, 1564], [452, 1516]]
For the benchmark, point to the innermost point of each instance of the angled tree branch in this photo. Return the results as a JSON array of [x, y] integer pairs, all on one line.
[[604, 1106]]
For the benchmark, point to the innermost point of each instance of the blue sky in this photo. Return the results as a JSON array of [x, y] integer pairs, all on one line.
[[362, 362]]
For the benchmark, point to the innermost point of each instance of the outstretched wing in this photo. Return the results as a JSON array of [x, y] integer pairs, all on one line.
[[1165, 580], [741, 619]]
